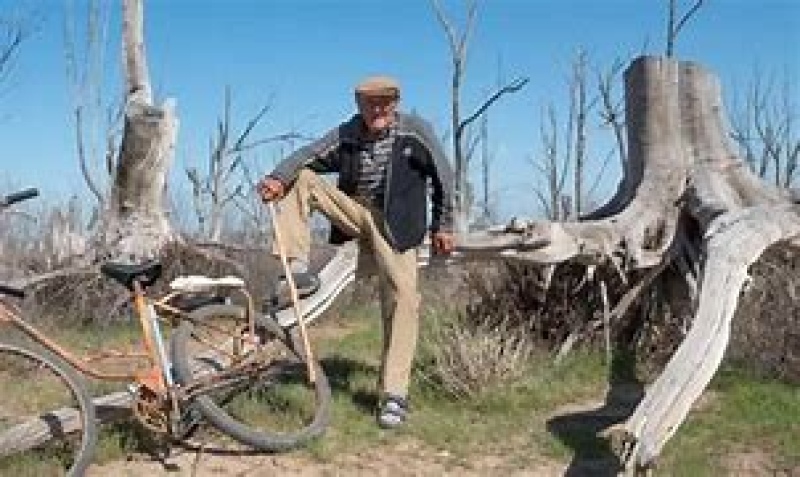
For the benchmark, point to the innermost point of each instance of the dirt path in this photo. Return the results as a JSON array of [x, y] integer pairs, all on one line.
[[405, 458]]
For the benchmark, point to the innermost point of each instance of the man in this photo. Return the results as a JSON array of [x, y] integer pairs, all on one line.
[[387, 163]]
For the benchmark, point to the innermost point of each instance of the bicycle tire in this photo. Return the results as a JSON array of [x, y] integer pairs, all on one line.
[[39, 389], [217, 410]]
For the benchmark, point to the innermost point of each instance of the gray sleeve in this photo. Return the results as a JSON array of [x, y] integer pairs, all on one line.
[[441, 174], [322, 155]]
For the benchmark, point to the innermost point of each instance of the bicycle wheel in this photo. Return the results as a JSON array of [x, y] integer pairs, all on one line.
[[47, 419], [261, 395]]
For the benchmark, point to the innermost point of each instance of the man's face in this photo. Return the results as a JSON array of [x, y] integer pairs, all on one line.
[[378, 111]]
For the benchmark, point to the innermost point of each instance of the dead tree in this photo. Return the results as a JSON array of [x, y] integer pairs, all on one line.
[[565, 149], [228, 181], [687, 197], [551, 166], [458, 42], [612, 112], [611, 116], [217, 187], [580, 108], [765, 128], [674, 24], [134, 222], [96, 124], [458, 50], [486, 205]]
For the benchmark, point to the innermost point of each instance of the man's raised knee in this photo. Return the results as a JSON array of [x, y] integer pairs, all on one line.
[[305, 176]]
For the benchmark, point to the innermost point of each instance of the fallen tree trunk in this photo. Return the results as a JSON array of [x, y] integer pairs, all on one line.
[[38, 430]]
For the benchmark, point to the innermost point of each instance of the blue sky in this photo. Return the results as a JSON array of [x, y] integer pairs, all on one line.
[[305, 55]]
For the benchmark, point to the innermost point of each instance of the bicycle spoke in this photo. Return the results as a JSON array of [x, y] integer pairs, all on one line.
[[45, 416], [256, 391]]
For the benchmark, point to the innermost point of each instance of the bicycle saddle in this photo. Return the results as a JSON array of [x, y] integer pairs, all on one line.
[[146, 273]]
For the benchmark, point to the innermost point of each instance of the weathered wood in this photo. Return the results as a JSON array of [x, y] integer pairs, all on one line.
[[655, 177], [738, 239], [334, 277], [739, 217], [39, 430], [681, 161], [134, 224]]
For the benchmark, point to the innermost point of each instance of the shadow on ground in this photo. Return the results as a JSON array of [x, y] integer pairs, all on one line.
[[582, 431], [341, 373]]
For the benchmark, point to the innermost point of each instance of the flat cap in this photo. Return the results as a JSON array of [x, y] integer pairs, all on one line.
[[378, 86]]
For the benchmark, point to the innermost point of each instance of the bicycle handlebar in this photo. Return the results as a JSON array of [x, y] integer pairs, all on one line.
[[24, 194]]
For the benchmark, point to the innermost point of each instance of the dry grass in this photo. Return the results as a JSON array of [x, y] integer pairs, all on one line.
[[765, 335], [467, 360]]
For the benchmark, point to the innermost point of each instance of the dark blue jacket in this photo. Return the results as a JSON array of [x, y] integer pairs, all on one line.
[[417, 164]]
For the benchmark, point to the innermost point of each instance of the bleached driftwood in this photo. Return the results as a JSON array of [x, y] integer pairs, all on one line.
[[735, 241], [334, 277]]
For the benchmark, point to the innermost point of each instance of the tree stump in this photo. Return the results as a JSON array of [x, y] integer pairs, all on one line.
[[687, 197]]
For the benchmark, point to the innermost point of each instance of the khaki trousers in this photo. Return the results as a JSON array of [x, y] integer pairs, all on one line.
[[397, 271]]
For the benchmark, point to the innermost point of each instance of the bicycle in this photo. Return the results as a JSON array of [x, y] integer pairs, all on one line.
[[241, 371]]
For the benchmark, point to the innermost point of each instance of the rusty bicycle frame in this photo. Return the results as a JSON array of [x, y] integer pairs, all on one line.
[[158, 399]]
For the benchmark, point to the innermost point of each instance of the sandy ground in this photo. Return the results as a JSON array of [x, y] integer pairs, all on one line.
[[405, 458]]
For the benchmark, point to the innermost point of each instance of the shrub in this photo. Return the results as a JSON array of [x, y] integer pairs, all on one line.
[[465, 359]]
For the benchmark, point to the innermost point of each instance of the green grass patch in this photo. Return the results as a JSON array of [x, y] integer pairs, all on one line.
[[555, 411], [511, 417], [744, 414], [551, 411]]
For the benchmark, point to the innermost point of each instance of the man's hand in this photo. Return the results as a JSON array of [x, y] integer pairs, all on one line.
[[443, 243], [270, 189]]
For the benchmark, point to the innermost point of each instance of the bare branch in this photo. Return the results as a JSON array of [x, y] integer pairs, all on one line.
[[612, 113], [512, 87], [687, 16], [447, 26], [543, 200], [82, 159], [292, 136], [674, 27], [84, 70], [10, 48], [468, 27], [600, 173], [251, 125]]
